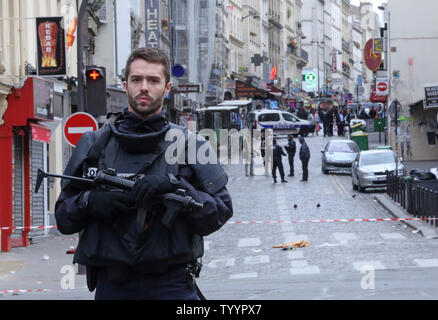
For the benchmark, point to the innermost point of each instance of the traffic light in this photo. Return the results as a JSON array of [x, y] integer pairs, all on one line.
[[96, 90]]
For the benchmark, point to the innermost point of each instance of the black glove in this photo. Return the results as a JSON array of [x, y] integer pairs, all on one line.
[[109, 204], [151, 185]]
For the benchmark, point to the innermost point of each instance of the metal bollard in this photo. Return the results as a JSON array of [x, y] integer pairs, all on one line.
[[414, 192], [426, 204], [408, 185], [403, 193], [422, 202], [397, 179]]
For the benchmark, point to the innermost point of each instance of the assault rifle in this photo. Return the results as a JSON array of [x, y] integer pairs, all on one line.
[[173, 202]]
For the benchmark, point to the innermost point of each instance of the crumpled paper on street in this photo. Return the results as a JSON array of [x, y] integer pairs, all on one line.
[[294, 244]]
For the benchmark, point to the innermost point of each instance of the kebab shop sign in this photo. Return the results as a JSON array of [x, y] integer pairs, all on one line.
[[50, 46]]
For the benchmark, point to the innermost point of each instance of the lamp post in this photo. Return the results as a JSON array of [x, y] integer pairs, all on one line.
[[383, 7], [251, 14], [317, 59], [80, 54]]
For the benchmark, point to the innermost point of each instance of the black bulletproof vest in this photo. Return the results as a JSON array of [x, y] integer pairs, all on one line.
[[122, 241]]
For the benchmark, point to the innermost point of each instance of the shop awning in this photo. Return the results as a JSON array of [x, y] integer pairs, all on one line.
[[40, 133], [246, 90], [219, 108], [235, 102]]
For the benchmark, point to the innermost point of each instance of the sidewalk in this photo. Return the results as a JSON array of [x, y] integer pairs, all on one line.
[[42, 266], [393, 207], [397, 211]]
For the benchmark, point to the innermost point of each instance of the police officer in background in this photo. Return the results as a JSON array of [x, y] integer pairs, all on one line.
[[130, 255], [304, 157], [291, 148], [277, 153]]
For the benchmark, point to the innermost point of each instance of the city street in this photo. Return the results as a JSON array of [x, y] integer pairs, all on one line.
[[342, 256], [343, 260]]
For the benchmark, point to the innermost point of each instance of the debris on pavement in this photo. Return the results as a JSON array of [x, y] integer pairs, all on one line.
[[293, 244]]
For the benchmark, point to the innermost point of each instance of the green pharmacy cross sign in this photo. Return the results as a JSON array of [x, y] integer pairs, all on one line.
[[310, 77]]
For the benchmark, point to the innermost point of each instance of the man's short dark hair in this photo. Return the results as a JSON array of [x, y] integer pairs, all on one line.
[[151, 55]]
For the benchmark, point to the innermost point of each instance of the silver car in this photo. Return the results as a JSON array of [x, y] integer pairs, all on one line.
[[338, 155], [370, 167]]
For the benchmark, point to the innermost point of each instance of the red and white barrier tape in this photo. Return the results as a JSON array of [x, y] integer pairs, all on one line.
[[328, 220], [267, 221], [25, 290]]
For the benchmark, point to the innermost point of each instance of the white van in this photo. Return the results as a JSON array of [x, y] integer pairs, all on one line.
[[282, 122]]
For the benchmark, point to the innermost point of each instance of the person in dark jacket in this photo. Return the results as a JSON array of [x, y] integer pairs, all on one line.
[[128, 249], [373, 113], [302, 114], [340, 121], [304, 157], [291, 148], [362, 113], [277, 154], [325, 120], [330, 121]]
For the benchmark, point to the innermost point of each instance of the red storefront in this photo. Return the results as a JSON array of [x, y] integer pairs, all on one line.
[[23, 139]]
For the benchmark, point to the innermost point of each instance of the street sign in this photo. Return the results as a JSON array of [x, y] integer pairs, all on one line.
[[178, 70], [76, 125], [257, 60], [372, 59], [273, 72], [395, 109], [381, 87], [431, 95], [187, 88], [378, 45], [310, 77]]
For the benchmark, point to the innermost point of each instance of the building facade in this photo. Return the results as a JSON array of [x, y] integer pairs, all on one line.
[[32, 108], [412, 44]]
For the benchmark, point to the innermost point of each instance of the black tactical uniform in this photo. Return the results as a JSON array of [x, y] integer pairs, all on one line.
[[128, 258], [291, 148], [277, 162], [304, 157]]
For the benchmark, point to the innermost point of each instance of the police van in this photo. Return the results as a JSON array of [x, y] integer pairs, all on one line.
[[281, 122]]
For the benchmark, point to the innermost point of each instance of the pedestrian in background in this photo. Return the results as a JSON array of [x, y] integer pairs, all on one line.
[[312, 118], [262, 145], [317, 123], [302, 114], [277, 154], [304, 157], [349, 116], [291, 148], [325, 120], [373, 113], [340, 122], [330, 121]]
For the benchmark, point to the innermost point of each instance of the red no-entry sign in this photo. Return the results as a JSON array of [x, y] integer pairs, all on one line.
[[76, 125], [382, 86]]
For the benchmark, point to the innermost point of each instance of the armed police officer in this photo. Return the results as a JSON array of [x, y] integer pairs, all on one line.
[[291, 148], [128, 251]]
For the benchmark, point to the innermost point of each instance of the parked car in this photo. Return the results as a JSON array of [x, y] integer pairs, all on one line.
[[370, 167], [338, 155], [281, 122]]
